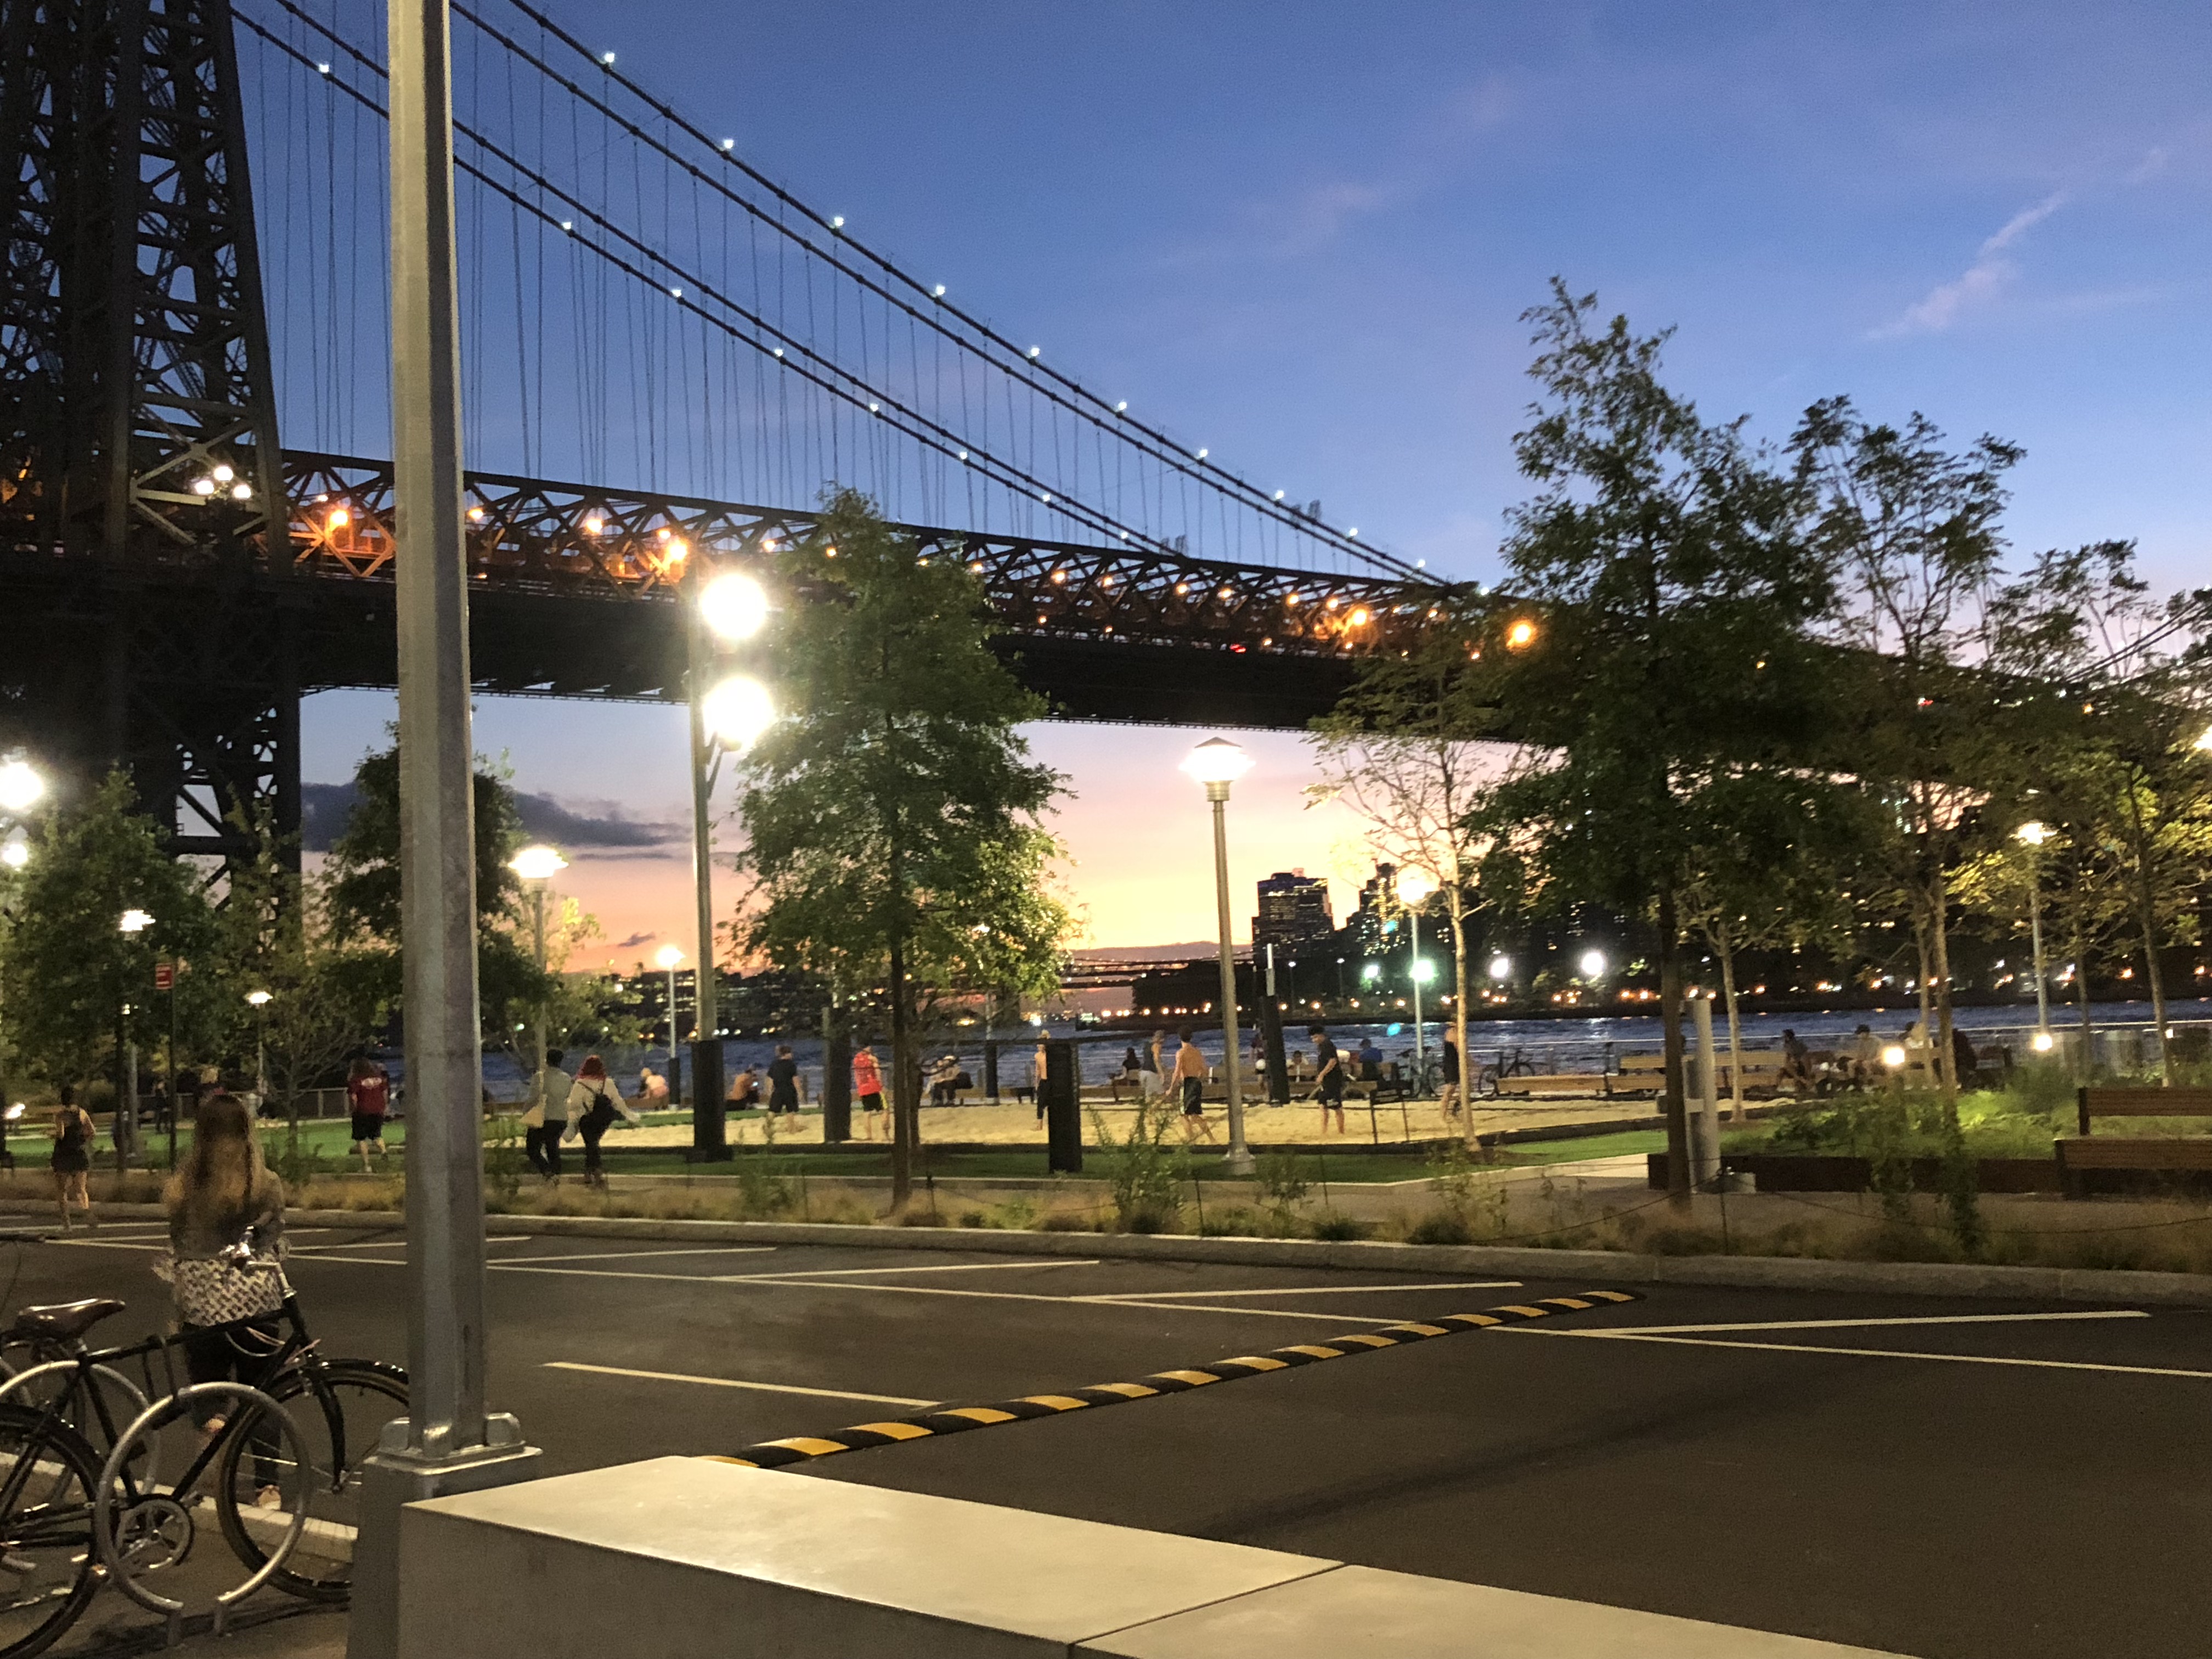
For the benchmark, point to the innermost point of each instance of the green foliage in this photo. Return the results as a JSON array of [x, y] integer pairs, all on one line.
[[1340, 1228], [1145, 1175], [1282, 1181], [894, 816], [66, 968], [1444, 1226]]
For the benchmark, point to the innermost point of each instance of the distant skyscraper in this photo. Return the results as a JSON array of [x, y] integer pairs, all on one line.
[[1369, 922], [1293, 908]]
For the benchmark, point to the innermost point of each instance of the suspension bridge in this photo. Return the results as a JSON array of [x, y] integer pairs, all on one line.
[[194, 349]]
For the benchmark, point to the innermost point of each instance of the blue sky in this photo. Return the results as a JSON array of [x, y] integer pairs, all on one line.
[[1302, 234]]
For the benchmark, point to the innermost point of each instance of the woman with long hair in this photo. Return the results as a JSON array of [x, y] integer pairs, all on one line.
[[593, 1104], [73, 1133], [223, 1201]]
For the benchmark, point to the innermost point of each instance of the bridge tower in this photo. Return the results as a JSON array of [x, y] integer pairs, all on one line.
[[143, 529]]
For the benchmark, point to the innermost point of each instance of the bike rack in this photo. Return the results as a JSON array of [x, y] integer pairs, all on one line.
[[158, 1415], [131, 1392]]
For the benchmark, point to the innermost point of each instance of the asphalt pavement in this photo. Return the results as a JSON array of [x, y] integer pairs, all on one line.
[[1963, 1480]]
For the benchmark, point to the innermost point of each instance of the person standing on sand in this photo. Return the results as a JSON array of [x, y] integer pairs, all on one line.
[[868, 1092]]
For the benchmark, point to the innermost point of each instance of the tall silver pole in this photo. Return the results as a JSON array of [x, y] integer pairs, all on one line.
[[538, 937], [1240, 1156], [1420, 1049], [2035, 930], [447, 1442], [709, 1140]]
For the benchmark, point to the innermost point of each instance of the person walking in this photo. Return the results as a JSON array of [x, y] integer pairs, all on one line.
[[1328, 1078], [226, 1210], [1148, 1072], [1036, 1075], [783, 1081], [73, 1132], [868, 1091], [547, 1121], [593, 1104], [1448, 1090], [1190, 1074], [369, 1096]]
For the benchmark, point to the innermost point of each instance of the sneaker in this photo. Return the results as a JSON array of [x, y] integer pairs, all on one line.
[[269, 1498]]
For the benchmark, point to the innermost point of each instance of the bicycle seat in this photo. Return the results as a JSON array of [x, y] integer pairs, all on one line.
[[62, 1321]]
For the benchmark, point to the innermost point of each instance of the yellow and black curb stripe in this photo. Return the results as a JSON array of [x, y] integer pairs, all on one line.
[[800, 1449]]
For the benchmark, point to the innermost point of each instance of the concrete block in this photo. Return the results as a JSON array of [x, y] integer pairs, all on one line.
[[1363, 1610], [685, 1559]]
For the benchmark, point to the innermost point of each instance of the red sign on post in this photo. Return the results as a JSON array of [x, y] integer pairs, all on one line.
[[164, 976]]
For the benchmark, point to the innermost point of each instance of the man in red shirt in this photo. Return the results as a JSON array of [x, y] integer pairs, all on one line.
[[868, 1089], [368, 1094]]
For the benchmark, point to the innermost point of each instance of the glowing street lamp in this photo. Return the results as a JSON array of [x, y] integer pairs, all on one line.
[[1218, 763], [667, 956], [134, 921], [1501, 969], [737, 712], [1521, 633], [733, 606], [15, 852], [1592, 964], [2033, 835], [1415, 887], [22, 787], [259, 1002]]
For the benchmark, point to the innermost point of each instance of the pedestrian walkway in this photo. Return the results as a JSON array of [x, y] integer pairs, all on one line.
[[1387, 1123]]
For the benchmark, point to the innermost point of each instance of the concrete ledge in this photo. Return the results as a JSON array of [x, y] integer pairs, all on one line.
[[1591, 1266], [689, 1559]]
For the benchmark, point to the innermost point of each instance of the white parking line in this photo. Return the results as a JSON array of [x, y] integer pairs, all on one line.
[[1872, 1353], [958, 1268], [640, 1255], [732, 1382], [1309, 1290], [1849, 1324]]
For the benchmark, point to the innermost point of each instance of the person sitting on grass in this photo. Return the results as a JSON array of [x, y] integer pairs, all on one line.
[[744, 1089]]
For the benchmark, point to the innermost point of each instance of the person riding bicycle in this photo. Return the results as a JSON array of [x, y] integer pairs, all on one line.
[[226, 1243]]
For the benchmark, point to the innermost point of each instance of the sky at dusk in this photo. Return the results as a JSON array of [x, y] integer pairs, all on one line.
[[1302, 236]]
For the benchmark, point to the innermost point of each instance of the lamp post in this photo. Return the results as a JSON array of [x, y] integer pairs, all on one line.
[[258, 1001], [1415, 887], [1216, 764], [133, 922], [538, 865], [730, 715], [2033, 835], [22, 787], [667, 956]]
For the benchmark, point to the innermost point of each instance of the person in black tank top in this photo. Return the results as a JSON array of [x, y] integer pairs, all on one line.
[[73, 1132]]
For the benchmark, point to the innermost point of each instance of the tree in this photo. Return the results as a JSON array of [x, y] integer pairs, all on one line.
[[1764, 873], [1398, 750], [1912, 531], [363, 893], [2122, 762], [67, 968], [1669, 588], [894, 815]]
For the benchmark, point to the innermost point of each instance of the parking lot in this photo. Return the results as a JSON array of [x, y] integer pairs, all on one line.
[[1947, 1479]]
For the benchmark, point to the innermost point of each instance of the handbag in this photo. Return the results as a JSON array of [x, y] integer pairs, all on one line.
[[535, 1117], [220, 1291]]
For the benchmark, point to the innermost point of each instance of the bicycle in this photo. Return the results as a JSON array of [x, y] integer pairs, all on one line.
[[81, 1498]]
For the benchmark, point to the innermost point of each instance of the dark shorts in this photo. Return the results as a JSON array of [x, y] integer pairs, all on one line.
[[368, 1125], [873, 1103], [1193, 1097]]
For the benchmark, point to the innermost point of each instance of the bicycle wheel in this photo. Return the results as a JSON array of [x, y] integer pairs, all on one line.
[[339, 1408], [48, 1474]]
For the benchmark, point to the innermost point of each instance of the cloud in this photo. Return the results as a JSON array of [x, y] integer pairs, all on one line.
[[635, 941], [2152, 163], [1979, 283], [587, 830]]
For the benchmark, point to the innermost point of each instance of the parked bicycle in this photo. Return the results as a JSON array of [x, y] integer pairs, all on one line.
[[81, 1496]]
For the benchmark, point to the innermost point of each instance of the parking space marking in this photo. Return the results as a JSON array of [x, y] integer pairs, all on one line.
[[1311, 1290], [958, 1267], [1849, 1324], [733, 1383], [640, 1255], [1885, 1354]]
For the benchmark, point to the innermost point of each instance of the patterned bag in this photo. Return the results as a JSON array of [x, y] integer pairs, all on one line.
[[216, 1292]]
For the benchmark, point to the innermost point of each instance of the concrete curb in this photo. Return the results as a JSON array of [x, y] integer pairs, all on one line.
[[1744, 1271]]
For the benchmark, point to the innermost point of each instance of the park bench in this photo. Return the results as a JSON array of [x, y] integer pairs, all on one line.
[[2078, 1154]]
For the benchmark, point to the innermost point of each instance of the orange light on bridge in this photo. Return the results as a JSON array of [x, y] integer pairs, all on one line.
[[339, 519], [1521, 635], [593, 524], [1360, 617], [476, 515]]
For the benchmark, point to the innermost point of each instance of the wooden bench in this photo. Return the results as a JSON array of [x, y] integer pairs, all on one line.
[[2080, 1153]]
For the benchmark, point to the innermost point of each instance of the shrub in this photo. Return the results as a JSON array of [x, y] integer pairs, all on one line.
[[1441, 1227], [1339, 1227], [1143, 1173]]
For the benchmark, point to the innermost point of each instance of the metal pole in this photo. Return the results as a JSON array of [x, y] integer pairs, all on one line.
[[537, 940], [1240, 1157], [2035, 929], [448, 1442], [1706, 1136], [1420, 1049], [709, 1141]]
